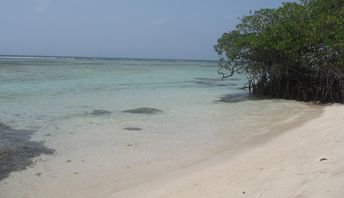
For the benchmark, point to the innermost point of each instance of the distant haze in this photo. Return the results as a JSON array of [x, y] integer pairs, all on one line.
[[184, 29]]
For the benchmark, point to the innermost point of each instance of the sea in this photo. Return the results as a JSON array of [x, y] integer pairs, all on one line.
[[88, 127]]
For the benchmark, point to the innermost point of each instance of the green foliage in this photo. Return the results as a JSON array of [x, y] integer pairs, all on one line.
[[295, 51]]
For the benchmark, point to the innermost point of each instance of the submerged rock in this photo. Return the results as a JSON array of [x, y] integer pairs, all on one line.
[[143, 110], [17, 150], [133, 129], [215, 82], [130, 145], [238, 97], [98, 112]]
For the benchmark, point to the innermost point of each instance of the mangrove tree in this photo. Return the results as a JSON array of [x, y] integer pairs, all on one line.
[[294, 51]]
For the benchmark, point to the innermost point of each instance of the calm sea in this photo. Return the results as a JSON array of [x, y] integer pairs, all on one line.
[[71, 109]]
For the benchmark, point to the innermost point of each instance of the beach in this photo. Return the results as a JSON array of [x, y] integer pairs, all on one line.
[[307, 161], [93, 127], [172, 99]]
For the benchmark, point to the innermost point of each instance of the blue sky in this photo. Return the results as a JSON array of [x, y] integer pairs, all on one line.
[[185, 29]]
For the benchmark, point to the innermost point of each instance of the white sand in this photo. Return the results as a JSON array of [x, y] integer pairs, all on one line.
[[284, 166]]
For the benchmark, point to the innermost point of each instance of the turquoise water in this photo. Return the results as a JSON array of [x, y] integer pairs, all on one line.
[[55, 97], [35, 90]]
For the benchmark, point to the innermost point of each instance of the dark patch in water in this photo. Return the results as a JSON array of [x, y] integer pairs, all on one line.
[[98, 112], [17, 150], [218, 79], [214, 82], [143, 110], [238, 97], [208, 79], [133, 129]]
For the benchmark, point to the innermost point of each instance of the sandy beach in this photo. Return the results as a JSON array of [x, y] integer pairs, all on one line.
[[89, 137], [172, 99], [205, 138], [306, 161]]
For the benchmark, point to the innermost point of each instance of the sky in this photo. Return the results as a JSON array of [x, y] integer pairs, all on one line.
[[171, 29]]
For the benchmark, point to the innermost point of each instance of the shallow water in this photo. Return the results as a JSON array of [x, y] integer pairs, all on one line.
[[114, 123]]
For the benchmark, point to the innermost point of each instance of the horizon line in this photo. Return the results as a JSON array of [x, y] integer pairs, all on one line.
[[104, 57]]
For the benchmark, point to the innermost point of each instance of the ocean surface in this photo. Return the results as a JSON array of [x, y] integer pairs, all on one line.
[[86, 127]]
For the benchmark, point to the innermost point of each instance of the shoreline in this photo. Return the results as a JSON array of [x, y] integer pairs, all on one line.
[[111, 181], [304, 161]]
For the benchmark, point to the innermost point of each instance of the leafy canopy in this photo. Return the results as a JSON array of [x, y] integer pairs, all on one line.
[[294, 51]]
